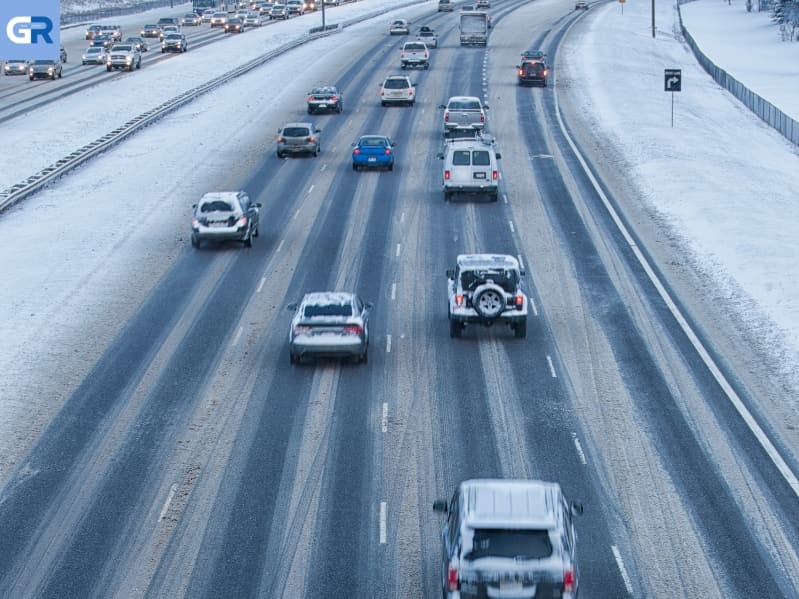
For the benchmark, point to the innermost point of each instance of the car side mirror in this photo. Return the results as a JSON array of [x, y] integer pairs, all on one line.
[[518, 66], [257, 204], [522, 272], [369, 305], [442, 106], [498, 155], [485, 106], [353, 144], [292, 307], [317, 130], [440, 505], [450, 273], [194, 205], [576, 508]]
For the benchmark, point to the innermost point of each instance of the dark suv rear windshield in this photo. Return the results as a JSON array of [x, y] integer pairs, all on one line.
[[521, 544]]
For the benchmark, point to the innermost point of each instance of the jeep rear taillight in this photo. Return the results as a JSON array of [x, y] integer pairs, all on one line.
[[458, 300], [446, 175], [568, 581], [453, 584], [310, 98], [519, 300], [495, 175]]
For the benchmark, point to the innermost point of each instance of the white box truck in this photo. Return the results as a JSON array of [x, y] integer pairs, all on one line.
[[474, 28]]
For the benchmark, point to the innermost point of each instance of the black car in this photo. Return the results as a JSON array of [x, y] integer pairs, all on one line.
[[533, 73], [139, 42], [234, 25], [325, 98]]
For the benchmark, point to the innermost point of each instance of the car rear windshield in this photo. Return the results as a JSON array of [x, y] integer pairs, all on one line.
[[327, 310], [396, 84], [412, 46], [464, 105], [296, 132], [216, 206], [519, 544], [373, 142], [461, 158]]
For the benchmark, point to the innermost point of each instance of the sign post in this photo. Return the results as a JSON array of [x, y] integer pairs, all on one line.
[[672, 82], [622, 5]]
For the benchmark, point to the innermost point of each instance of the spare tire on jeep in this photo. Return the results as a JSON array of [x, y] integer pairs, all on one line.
[[488, 300]]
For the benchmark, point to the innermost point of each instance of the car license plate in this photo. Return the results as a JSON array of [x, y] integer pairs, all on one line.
[[371, 159], [322, 105], [217, 224], [479, 175], [509, 586]]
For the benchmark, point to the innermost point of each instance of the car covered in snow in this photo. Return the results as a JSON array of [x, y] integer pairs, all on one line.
[[225, 216]]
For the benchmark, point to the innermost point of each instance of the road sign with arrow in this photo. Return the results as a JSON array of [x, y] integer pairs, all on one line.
[[673, 80]]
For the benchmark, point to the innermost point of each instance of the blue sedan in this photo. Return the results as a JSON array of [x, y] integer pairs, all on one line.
[[373, 151]]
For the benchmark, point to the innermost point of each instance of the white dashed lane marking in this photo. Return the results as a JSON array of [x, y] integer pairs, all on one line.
[[168, 501], [382, 522], [238, 335], [393, 291], [626, 577], [580, 452], [280, 245], [397, 253], [261, 285], [551, 367], [384, 419], [388, 344]]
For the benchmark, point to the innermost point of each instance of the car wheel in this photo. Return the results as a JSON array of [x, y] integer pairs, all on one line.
[[447, 196], [493, 197], [455, 328], [163, 51], [354, 167], [60, 74], [339, 109], [248, 240], [402, 66], [279, 154], [195, 243], [293, 359], [364, 358], [426, 66], [391, 166], [257, 232], [310, 110], [316, 152], [382, 103], [520, 329]]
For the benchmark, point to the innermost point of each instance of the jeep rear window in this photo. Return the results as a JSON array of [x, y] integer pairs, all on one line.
[[296, 132], [471, 279], [395, 84], [518, 544], [481, 158], [327, 310], [461, 158], [464, 105]]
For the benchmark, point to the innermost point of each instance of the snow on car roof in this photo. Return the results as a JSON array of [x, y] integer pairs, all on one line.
[[324, 298], [517, 503], [487, 261]]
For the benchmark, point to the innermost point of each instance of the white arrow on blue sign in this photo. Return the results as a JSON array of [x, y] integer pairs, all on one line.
[[673, 80]]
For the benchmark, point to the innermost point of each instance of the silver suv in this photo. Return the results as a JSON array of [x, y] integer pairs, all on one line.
[[509, 538], [470, 167], [484, 289], [397, 89], [298, 138]]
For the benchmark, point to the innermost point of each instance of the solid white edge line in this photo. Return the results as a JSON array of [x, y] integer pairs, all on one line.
[[296, 214], [580, 452], [261, 285], [505, 198], [388, 344], [626, 577], [725, 385], [238, 335], [382, 522], [324, 166], [172, 490], [280, 245], [393, 291], [532, 305], [551, 367], [521, 262], [310, 189], [384, 419]]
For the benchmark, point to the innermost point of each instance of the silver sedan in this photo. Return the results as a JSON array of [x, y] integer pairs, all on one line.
[[330, 324]]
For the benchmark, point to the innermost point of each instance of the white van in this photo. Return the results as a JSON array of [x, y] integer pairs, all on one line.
[[470, 167]]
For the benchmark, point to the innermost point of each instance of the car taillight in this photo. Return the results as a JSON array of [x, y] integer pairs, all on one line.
[[310, 98], [334, 99], [425, 54], [482, 117], [446, 116], [356, 151], [519, 299], [280, 140], [402, 54], [242, 222], [495, 175], [195, 223], [446, 175], [311, 138], [453, 584], [353, 329], [302, 330], [458, 300], [388, 151], [521, 72], [410, 93], [382, 92], [568, 581]]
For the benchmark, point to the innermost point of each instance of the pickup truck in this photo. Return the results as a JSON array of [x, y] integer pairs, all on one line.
[[414, 54], [123, 56], [464, 114], [474, 28]]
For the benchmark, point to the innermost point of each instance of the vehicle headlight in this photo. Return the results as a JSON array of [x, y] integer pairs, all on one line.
[[129, 59]]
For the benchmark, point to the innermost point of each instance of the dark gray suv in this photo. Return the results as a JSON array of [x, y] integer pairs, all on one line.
[[509, 538]]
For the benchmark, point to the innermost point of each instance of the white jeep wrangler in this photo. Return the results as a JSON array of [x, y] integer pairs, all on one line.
[[484, 289]]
